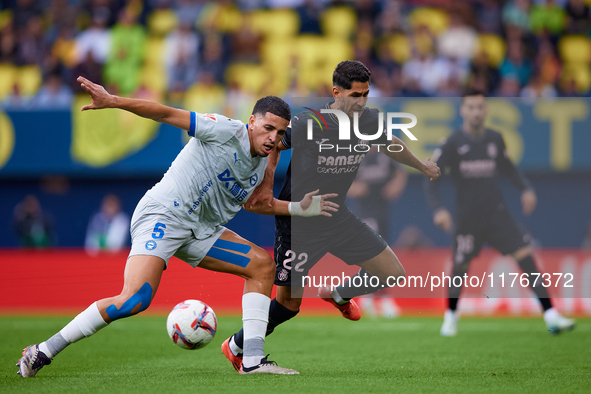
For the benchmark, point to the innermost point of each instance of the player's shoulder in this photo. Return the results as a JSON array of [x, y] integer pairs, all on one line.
[[454, 138], [222, 124], [492, 135], [302, 116]]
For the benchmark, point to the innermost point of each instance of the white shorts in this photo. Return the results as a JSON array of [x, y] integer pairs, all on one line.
[[157, 232]]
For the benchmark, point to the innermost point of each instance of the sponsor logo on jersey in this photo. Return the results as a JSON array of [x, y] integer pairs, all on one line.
[[233, 186], [254, 179], [462, 150], [210, 117], [478, 168], [492, 150], [236, 159], [151, 245], [202, 192], [176, 203]]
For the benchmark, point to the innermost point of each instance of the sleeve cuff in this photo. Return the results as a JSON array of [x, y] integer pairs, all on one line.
[[191, 130]]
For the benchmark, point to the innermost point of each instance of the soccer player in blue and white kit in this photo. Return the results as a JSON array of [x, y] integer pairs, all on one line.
[[183, 216]]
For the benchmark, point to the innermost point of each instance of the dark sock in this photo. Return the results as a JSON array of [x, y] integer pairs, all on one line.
[[277, 314], [455, 291], [349, 289], [453, 303], [528, 266]]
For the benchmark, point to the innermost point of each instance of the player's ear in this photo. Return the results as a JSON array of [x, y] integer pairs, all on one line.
[[336, 92], [251, 120]]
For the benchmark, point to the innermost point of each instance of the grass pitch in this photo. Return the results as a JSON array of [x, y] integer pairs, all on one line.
[[332, 354]]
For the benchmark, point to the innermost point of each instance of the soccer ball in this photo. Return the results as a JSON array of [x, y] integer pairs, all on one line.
[[191, 324]]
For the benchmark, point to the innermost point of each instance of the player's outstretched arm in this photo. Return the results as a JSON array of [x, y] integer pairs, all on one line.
[[311, 205], [147, 109], [264, 192], [406, 157]]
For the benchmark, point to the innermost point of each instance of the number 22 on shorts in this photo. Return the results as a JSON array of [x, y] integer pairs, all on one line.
[[291, 256]]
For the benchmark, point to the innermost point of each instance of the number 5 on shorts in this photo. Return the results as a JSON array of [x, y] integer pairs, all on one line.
[[158, 231]]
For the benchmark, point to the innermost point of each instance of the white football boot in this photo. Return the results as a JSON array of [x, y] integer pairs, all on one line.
[[556, 323], [450, 323]]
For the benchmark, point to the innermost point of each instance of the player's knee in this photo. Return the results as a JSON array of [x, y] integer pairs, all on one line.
[[289, 302], [130, 303], [262, 265]]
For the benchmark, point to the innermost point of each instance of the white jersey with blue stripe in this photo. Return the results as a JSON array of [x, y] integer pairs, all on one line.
[[212, 176]]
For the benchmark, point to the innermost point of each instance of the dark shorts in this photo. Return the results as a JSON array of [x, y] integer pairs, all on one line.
[[499, 230], [348, 239]]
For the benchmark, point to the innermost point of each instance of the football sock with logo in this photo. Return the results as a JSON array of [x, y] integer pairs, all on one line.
[[84, 325], [277, 314], [255, 316], [360, 284], [528, 266]]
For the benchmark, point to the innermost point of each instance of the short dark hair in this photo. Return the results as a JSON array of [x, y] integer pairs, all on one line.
[[350, 71], [274, 105], [472, 93]]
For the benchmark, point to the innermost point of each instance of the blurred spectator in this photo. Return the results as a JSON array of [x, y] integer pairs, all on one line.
[[32, 47], [181, 56], [24, 10], [489, 16], [88, 68], [423, 74], [578, 17], [54, 94], [309, 13], [15, 99], [246, 42], [189, 9], [484, 76], [33, 226], [128, 40], [108, 229], [537, 87], [459, 40], [516, 13], [547, 17], [509, 87], [569, 88], [515, 64], [8, 44], [212, 61], [96, 40], [547, 63]]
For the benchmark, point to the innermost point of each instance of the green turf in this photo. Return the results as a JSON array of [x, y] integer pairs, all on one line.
[[332, 354]]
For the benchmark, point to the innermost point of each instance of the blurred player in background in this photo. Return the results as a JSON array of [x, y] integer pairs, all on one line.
[[344, 235], [183, 216], [476, 156], [380, 181]]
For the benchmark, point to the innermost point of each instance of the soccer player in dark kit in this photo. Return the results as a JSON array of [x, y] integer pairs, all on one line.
[[475, 156], [299, 245]]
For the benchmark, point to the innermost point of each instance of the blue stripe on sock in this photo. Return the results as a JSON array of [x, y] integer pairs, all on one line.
[[228, 257], [234, 246]]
